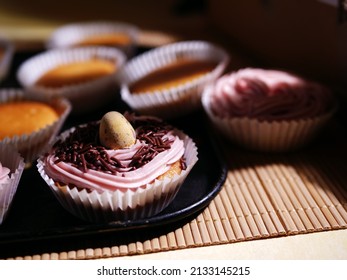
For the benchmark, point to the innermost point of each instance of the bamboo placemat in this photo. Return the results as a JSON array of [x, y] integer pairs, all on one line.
[[264, 196]]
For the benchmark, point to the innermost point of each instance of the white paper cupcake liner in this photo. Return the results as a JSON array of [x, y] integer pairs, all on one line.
[[70, 35], [6, 58], [85, 96], [31, 145], [10, 158], [175, 101], [266, 136], [122, 205]]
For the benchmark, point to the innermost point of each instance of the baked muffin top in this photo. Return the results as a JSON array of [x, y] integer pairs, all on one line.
[[24, 117], [172, 75], [76, 73], [107, 39]]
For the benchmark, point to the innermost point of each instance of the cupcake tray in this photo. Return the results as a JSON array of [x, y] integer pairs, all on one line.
[[37, 223]]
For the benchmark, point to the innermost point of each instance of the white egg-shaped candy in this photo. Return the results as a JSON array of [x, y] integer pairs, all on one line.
[[115, 131]]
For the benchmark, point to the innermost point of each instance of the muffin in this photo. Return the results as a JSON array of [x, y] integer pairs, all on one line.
[[110, 34], [268, 110], [123, 167], [29, 123], [168, 81], [11, 169], [6, 55], [85, 76], [76, 73], [172, 75], [34, 116]]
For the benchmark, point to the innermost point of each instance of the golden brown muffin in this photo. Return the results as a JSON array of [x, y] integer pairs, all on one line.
[[173, 75], [76, 73], [24, 117], [112, 39]]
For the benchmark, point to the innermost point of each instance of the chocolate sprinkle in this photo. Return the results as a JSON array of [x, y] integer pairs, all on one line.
[[82, 150]]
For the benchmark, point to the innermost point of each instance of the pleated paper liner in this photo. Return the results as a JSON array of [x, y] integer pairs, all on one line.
[[81, 95], [264, 196], [120, 35]]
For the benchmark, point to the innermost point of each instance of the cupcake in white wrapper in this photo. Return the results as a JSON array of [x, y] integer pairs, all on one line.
[[86, 76], [11, 169], [6, 56], [129, 193], [168, 81], [268, 110], [31, 144], [99, 33]]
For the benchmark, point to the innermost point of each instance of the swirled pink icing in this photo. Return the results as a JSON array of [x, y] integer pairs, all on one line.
[[124, 174], [268, 95], [4, 174]]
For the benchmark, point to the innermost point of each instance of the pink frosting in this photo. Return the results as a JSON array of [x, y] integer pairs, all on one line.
[[4, 174], [268, 95], [124, 178]]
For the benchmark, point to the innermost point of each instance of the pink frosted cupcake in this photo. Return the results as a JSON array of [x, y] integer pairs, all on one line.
[[123, 167], [11, 169], [268, 110]]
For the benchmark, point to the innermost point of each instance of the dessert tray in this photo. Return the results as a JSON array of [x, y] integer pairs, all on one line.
[[37, 221]]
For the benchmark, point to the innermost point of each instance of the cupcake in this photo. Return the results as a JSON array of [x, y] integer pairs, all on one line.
[[11, 169], [29, 123], [111, 34], [268, 110], [168, 81], [123, 167], [86, 76], [6, 55]]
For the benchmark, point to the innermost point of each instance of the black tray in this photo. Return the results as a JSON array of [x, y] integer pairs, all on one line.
[[38, 224]]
